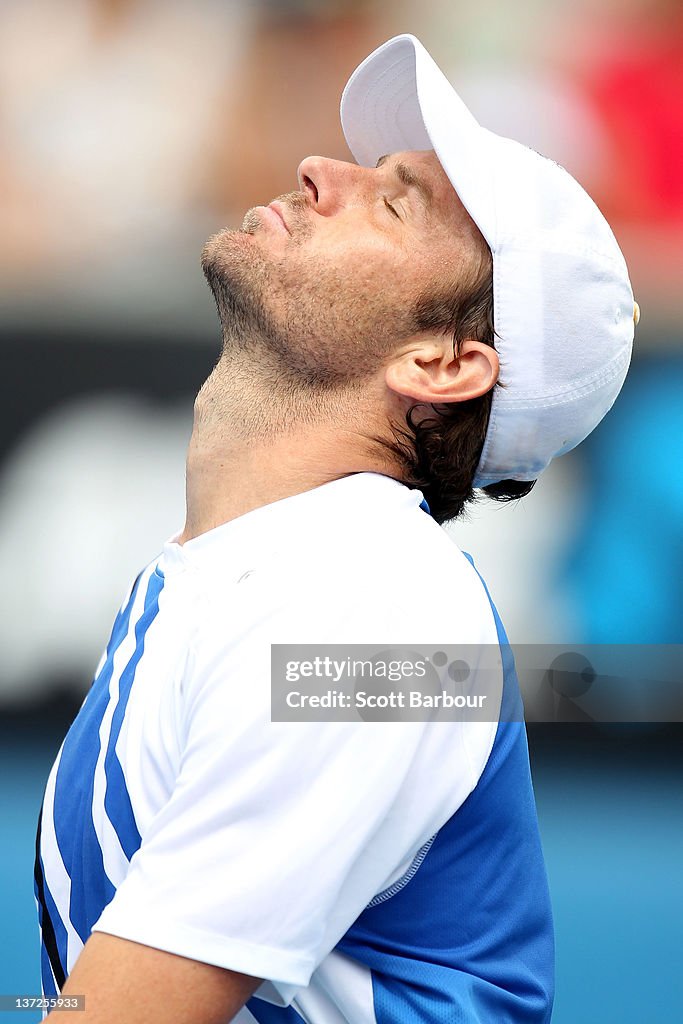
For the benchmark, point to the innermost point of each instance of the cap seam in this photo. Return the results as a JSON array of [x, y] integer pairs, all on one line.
[[604, 376], [493, 414], [511, 243]]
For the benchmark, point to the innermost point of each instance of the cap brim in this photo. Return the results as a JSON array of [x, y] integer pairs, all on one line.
[[398, 99]]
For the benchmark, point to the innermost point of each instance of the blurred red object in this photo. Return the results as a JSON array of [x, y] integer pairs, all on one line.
[[636, 87]]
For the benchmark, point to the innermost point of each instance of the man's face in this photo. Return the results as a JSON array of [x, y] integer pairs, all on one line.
[[329, 277]]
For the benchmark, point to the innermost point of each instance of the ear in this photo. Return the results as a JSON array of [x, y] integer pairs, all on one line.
[[427, 371]]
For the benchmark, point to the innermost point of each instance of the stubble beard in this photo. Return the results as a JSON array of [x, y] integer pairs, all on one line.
[[296, 327], [245, 280], [264, 382]]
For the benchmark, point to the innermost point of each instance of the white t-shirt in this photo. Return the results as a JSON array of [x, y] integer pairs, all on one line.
[[178, 815]]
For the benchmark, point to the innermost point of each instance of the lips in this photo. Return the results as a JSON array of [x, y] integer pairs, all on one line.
[[278, 211]]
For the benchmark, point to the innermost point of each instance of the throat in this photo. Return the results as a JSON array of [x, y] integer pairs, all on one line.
[[252, 445], [223, 483]]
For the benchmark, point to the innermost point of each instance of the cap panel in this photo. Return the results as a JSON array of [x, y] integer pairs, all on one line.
[[553, 341], [563, 377], [542, 205]]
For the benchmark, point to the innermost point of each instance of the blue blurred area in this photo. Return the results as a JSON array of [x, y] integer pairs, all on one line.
[[611, 814], [24, 766], [623, 568], [611, 817]]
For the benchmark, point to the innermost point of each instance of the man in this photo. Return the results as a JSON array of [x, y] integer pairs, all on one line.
[[449, 313]]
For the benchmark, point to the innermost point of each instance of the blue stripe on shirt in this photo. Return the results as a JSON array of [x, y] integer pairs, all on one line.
[[50, 921], [116, 799], [91, 889]]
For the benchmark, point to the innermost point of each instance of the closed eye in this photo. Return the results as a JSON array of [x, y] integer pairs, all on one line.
[[392, 208]]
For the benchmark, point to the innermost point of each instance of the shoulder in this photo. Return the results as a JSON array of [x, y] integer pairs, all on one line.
[[359, 555], [400, 571]]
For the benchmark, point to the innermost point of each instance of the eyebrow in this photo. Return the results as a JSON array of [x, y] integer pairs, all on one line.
[[407, 176]]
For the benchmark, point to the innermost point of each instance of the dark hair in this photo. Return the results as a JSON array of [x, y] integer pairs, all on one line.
[[440, 454]]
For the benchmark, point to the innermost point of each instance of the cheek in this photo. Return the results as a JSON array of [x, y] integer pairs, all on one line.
[[348, 314], [362, 270]]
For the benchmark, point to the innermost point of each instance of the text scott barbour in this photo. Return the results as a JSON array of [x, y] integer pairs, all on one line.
[[392, 699]]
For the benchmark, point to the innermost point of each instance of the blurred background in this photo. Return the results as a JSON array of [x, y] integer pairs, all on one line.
[[132, 129]]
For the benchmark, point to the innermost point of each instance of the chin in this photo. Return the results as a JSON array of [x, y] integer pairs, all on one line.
[[220, 246]]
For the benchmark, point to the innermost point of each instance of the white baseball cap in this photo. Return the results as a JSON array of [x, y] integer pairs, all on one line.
[[563, 305]]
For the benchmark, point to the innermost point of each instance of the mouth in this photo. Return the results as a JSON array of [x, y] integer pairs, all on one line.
[[276, 208]]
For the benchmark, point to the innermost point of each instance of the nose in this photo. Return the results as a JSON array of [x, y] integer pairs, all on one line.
[[332, 184]]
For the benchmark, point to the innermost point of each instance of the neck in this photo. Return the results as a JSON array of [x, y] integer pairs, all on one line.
[[247, 450]]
